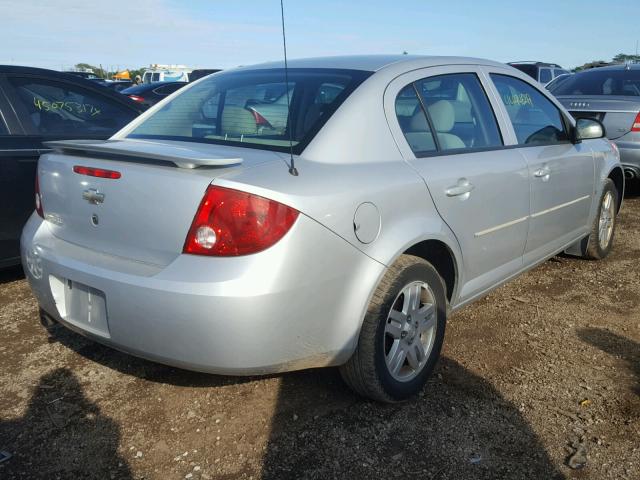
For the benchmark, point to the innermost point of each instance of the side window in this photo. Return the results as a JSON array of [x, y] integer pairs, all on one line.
[[155, 77], [60, 108], [545, 75], [3, 127], [535, 119], [413, 121], [460, 112]]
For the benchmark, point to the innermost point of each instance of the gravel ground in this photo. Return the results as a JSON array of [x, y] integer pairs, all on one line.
[[541, 373]]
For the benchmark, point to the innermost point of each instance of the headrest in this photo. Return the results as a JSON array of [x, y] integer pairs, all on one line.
[[443, 115]]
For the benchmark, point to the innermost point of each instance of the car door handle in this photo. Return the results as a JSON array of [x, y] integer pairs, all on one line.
[[463, 187], [542, 173]]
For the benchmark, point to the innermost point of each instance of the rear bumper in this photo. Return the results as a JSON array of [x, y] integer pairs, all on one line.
[[296, 305]]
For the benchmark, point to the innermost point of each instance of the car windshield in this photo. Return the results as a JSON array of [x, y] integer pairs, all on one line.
[[251, 108], [600, 82]]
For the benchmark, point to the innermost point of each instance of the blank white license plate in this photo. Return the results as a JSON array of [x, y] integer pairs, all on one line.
[[81, 305]]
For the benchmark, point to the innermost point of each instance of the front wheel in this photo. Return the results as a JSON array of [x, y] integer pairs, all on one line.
[[600, 241], [402, 333]]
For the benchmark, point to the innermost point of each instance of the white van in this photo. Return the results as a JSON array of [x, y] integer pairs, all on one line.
[[159, 74]]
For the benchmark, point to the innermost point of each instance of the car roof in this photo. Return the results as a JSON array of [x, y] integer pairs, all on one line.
[[371, 63], [619, 66], [535, 63]]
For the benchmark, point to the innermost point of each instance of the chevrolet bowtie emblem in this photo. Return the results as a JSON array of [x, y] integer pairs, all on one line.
[[92, 195]]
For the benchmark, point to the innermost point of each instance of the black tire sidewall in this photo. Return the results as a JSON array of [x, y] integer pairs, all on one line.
[[423, 272]]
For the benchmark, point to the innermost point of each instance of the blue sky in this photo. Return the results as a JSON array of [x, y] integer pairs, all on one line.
[[215, 33]]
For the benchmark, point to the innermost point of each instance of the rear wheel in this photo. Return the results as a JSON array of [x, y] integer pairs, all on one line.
[[402, 333], [603, 229]]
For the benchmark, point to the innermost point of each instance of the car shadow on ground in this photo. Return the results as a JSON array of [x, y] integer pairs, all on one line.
[[460, 428], [62, 435], [617, 346], [11, 274], [632, 189]]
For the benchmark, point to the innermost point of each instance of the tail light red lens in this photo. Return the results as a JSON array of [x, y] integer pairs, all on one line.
[[136, 98], [96, 172], [231, 223], [636, 124], [39, 207]]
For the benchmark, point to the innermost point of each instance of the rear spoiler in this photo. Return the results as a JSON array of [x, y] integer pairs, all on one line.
[[183, 157]]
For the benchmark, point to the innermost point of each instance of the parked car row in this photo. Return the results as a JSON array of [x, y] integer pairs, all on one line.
[[610, 95], [333, 214]]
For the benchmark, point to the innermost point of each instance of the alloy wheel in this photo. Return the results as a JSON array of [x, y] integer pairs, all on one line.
[[410, 331]]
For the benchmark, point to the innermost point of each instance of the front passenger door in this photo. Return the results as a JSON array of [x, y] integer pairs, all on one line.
[[562, 174]]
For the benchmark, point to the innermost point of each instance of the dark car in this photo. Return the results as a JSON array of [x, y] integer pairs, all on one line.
[[149, 94], [37, 105], [85, 75], [202, 72], [541, 71], [115, 85], [611, 95]]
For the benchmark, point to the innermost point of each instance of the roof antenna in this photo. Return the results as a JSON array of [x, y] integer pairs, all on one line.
[[292, 166]]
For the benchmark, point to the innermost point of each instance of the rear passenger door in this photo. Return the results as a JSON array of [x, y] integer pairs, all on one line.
[[562, 174], [447, 130]]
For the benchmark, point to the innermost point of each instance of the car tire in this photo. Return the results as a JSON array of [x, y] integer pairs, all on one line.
[[407, 313], [600, 240]]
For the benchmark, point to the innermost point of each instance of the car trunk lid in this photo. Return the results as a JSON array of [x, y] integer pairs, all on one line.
[[143, 215], [617, 114]]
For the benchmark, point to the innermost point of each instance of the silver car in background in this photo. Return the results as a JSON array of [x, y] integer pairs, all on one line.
[[419, 184], [610, 95]]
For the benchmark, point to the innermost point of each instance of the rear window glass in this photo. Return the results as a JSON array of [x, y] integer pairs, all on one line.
[[601, 82], [250, 108]]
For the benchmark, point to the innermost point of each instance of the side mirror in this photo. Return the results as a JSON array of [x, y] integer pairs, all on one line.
[[588, 128]]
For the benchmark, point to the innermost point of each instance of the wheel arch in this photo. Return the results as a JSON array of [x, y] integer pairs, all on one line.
[[443, 259], [617, 177]]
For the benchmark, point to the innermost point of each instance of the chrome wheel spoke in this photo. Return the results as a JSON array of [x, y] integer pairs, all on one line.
[[396, 357], [416, 355], [397, 316], [427, 315], [394, 328]]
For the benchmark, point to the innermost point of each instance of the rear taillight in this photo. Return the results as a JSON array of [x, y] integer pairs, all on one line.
[[636, 124], [136, 98], [231, 223], [96, 172], [39, 209]]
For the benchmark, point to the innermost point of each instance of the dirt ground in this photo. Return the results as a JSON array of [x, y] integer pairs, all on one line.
[[541, 368]]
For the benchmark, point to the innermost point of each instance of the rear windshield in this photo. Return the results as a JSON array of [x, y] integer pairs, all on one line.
[[250, 108], [600, 82]]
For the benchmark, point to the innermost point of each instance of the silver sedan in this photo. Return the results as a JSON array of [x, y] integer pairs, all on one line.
[[217, 233]]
